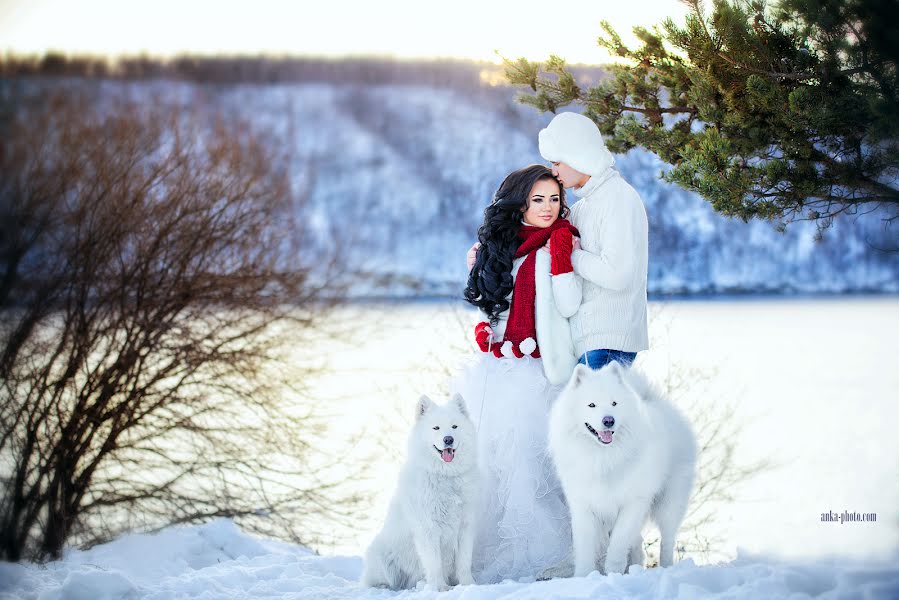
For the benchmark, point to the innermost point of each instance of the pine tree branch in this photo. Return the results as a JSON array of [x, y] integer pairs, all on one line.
[[882, 191], [656, 112], [866, 68]]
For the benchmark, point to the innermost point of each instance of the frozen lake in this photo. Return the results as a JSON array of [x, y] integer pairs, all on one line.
[[811, 385]]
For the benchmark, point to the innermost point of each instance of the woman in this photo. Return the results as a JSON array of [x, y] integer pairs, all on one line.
[[522, 280]]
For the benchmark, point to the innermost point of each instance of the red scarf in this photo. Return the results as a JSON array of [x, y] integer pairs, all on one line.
[[522, 322]]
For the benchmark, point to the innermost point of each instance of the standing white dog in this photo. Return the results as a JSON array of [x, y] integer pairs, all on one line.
[[429, 530], [623, 453]]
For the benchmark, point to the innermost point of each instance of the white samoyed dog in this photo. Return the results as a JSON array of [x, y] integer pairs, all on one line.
[[429, 530], [623, 454]]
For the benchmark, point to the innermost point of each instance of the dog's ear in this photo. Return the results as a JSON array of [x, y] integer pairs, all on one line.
[[423, 405], [459, 402], [578, 375], [615, 369]]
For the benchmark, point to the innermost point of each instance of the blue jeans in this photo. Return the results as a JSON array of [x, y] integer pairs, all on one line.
[[597, 359]]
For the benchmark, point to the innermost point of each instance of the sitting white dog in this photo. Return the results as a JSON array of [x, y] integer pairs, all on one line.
[[429, 530], [623, 453]]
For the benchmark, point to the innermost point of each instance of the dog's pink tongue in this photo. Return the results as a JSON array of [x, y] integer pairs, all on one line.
[[447, 455], [606, 436]]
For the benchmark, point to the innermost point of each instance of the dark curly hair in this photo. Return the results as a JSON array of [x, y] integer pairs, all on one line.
[[490, 280]]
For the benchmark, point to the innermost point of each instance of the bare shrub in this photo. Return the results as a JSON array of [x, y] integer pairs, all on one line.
[[153, 278]]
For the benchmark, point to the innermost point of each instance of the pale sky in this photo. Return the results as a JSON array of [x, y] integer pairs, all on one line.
[[400, 28]]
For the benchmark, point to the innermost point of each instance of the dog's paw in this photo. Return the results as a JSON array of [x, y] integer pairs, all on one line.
[[583, 572], [615, 565], [437, 586], [636, 556], [562, 569], [466, 579]]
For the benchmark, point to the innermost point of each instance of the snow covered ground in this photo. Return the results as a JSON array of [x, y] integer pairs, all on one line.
[[829, 359], [217, 560]]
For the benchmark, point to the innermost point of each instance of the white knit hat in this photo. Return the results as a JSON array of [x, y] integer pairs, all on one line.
[[575, 140]]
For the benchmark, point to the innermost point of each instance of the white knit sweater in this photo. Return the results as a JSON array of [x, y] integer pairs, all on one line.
[[613, 264]]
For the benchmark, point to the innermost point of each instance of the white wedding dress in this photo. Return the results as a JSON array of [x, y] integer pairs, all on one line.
[[524, 524]]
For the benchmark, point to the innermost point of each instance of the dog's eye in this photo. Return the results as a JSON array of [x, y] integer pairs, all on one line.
[[455, 426], [591, 405], [614, 403], [436, 427]]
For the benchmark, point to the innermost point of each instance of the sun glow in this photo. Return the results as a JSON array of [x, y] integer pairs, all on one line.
[[399, 28]]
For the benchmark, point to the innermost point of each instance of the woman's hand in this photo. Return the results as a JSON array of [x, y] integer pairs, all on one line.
[[472, 255], [546, 247], [575, 244], [560, 252]]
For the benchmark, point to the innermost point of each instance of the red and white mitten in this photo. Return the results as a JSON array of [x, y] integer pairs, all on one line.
[[482, 335], [560, 247]]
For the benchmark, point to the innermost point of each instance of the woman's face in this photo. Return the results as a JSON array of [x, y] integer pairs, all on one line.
[[543, 204]]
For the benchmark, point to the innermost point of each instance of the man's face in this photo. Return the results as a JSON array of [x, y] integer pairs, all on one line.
[[568, 176]]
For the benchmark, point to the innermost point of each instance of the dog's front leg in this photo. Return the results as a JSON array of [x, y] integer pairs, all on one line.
[[464, 552], [583, 534], [624, 532], [427, 545]]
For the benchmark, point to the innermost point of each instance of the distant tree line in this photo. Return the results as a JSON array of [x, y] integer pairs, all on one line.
[[245, 69], [452, 73]]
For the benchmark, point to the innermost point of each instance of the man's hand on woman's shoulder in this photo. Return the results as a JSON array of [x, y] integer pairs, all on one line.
[[472, 255]]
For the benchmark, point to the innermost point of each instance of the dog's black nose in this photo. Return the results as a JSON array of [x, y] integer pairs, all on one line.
[[447, 440], [608, 421]]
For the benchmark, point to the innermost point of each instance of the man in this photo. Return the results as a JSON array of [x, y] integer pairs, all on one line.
[[611, 323]]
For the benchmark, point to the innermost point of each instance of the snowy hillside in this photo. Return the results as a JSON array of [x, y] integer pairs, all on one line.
[[399, 175], [218, 561], [412, 168]]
